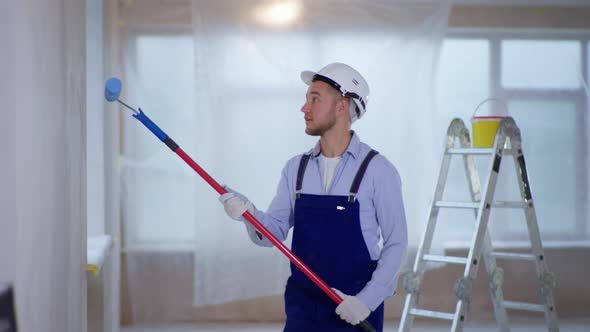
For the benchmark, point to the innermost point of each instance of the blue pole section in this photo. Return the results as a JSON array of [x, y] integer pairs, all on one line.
[[150, 125]]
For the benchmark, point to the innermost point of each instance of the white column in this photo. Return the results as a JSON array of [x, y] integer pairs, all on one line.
[[50, 165], [112, 114], [95, 117], [7, 145]]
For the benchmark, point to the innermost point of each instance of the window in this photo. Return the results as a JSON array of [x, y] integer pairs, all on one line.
[[541, 80], [157, 76], [541, 64]]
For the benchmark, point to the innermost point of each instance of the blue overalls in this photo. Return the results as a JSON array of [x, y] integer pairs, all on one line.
[[327, 237]]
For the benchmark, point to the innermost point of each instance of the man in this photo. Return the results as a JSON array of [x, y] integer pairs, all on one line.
[[340, 197]]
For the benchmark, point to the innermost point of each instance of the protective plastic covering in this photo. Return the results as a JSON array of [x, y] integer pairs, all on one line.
[[248, 95], [238, 115]]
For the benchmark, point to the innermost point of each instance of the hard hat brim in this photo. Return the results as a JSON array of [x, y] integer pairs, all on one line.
[[307, 76]]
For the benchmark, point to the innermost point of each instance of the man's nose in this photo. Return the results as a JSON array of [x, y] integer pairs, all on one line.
[[305, 108]]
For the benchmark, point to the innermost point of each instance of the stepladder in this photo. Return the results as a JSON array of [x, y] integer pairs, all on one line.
[[507, 145]]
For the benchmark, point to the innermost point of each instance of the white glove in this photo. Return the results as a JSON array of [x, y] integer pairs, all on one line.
[[352, 309], [235, 204]]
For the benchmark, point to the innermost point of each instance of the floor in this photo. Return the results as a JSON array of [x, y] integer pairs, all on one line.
[[569, 325]]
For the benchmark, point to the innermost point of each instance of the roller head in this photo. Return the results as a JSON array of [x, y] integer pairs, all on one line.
[[112, 89]]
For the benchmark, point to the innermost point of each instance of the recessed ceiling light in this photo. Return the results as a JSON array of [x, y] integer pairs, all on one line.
[[278, 13]]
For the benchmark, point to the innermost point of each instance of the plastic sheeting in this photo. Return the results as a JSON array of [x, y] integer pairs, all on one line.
[[242, 104], [237, 113], [248, 96]]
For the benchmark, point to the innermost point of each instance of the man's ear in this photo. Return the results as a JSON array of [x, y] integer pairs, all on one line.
[[344, 105]]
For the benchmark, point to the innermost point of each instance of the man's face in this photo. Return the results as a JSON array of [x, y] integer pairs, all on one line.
[[320, 108]]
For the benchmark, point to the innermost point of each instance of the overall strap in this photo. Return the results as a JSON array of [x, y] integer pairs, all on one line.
[[300, 172], [354, 188]]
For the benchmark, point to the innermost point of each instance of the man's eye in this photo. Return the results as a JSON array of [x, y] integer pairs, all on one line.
[[315, 99]]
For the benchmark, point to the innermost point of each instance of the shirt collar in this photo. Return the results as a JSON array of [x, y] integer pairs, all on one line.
[[354, 147]]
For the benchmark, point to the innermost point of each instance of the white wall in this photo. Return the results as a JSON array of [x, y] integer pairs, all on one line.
[[112, 114], [95, 117], [103, 292], [7, 146], [45, 104]]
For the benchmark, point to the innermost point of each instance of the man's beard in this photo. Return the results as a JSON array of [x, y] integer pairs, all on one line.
[[321, 129]]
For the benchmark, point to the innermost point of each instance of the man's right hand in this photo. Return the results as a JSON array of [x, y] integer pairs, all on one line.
[[235, 204]]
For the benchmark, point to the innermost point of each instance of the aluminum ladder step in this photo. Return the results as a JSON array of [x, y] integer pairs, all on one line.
[[514, 256], [432, 314], [445, 259], [508, 204], [475, 205], [523, 306], [472, 151], [457, 205], [476, 151]]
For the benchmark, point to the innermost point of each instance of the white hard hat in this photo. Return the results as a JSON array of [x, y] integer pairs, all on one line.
[[345, 79]]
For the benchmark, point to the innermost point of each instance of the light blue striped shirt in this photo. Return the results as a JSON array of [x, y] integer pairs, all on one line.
[[381, 209]]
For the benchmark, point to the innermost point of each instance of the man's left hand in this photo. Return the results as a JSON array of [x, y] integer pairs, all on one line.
[[352, 309]]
